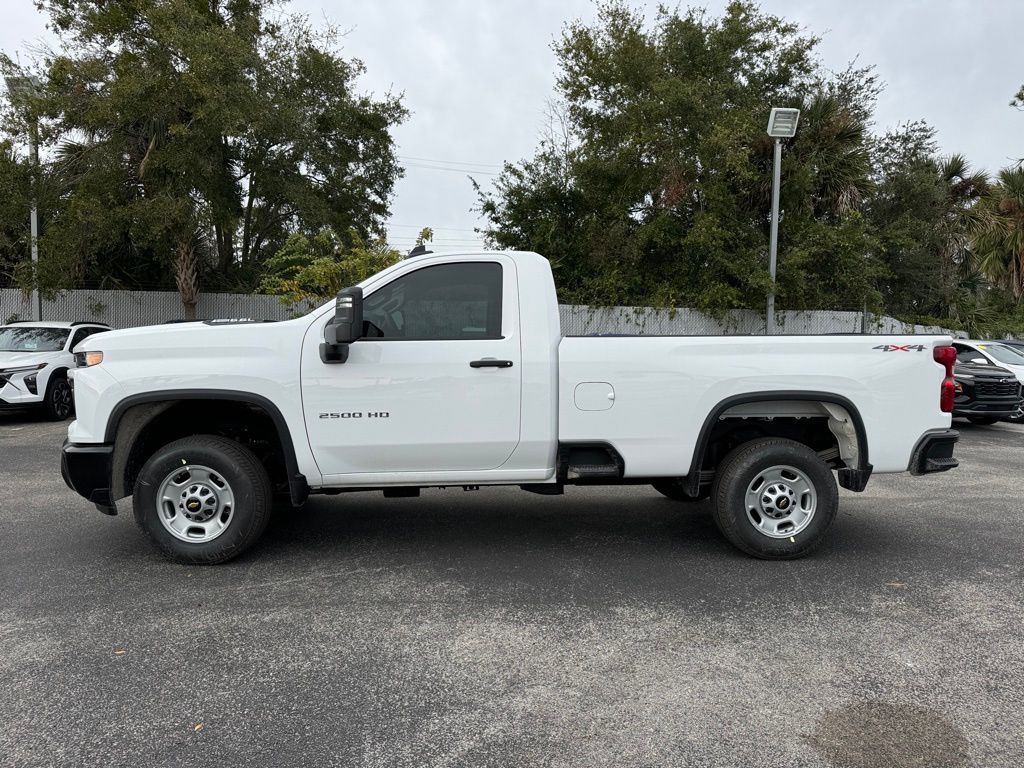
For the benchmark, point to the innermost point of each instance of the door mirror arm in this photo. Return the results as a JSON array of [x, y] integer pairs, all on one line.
[[345, 327]]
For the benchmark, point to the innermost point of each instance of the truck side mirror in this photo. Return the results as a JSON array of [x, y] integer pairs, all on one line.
[[345, 327]]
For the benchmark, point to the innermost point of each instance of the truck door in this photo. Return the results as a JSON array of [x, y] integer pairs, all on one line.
[[435, 383]]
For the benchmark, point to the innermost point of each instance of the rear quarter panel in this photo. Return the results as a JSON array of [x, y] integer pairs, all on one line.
[[666, 387]]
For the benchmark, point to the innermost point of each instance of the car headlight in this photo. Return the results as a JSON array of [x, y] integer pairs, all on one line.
[[88, 359], [23, 369]]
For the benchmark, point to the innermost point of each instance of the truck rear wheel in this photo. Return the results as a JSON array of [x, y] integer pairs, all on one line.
[[203, 499], [774, 498]]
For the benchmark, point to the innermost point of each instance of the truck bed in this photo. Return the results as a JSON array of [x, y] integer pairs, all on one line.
[[650, 398]]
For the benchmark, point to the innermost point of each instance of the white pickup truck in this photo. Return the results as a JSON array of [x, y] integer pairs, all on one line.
[[451, 370]]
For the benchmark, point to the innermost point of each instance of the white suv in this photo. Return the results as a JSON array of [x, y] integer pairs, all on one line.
[[34, 361]]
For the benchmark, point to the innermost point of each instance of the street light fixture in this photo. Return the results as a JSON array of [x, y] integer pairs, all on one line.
[[781, 125], [25, 87]]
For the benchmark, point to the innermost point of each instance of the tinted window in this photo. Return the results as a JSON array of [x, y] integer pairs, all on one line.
[[969, 355], [80, 335], [449, 301], [28, 339]]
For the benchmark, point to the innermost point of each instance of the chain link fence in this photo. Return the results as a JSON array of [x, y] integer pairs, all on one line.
[[127, 309], [647, 321]]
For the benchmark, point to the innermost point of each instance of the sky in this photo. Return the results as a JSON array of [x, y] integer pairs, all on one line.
[[477, 76]]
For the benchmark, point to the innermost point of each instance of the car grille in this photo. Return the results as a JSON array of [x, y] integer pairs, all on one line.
[[1008, 388]]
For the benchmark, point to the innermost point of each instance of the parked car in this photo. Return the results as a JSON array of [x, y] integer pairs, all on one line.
[[995, 354], [34, 361], [452, 370], [1015, 343], [986, 394]]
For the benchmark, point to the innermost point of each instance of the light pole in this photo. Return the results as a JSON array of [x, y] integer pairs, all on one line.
[[25, 87], [781, 125]]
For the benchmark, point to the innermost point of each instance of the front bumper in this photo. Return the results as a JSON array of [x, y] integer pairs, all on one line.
[[934, 453], [87, 470], [995, 410]]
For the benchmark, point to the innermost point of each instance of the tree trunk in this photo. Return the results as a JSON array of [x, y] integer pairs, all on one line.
[[225, 248], [247, 225], [186, 275]]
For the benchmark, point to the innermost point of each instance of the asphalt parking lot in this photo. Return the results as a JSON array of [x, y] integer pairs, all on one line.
[[498, 628]]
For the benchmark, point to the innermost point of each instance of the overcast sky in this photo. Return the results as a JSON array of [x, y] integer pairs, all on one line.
[[476, 75]]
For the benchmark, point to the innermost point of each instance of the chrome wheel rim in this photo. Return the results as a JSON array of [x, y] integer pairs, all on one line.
[[61, 397], [195, 503], [780, 501]]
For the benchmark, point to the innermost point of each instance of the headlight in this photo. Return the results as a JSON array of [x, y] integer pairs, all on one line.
[[23, 369], [88, 359]]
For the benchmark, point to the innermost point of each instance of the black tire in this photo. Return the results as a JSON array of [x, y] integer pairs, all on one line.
[[982, 421], [247, 480], [672, 487], [741, 467], [59, 403]]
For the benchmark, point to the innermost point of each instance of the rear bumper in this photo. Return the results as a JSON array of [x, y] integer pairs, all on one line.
[[934, 452], [87, 469]]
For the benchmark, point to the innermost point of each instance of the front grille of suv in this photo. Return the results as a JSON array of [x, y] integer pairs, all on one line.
[[996, 388]]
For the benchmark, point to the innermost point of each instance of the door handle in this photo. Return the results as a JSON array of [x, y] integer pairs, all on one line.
[[490, 362]]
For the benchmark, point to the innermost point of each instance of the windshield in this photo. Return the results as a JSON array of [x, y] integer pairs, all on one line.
[[1003, 353], [40, 339]]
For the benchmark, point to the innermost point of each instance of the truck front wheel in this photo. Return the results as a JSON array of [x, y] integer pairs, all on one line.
[[774, 498], [203, 499]]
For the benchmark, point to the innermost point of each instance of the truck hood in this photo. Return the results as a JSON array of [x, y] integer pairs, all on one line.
[[19, 359], [200, 339]]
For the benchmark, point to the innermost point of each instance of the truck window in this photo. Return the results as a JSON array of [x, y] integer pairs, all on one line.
[[443, 302]]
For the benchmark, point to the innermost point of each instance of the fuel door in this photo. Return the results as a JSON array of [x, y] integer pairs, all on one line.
[[594, 396]]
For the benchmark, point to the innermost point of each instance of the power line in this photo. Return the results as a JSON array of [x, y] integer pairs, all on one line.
[[467, 171], [436, 229], [448, 162]]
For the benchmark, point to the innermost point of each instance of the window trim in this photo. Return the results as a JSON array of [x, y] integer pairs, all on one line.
[[501, 305]]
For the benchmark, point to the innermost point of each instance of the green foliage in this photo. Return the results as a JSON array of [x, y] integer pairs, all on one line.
[[310, 269], [999, 233], [15, 202], [657, 190], [193, 138]]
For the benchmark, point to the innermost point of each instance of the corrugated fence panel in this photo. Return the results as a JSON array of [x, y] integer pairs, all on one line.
[[126, 309]]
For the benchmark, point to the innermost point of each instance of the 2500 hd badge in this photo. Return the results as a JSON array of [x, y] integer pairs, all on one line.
[[357, 415]]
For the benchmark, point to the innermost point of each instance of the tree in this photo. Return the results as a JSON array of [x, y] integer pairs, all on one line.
[[309, 270], [920, 217], [195, 135], [657, 190], [999, 232], [15, 201]]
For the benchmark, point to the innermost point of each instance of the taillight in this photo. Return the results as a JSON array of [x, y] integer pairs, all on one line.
[[946, 357], [946, 396]]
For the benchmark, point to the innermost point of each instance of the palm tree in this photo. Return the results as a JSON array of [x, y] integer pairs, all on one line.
[[962, 189], [998, 241]]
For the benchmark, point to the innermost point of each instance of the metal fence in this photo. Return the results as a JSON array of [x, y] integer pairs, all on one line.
[[646, 321], [126, 309]]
